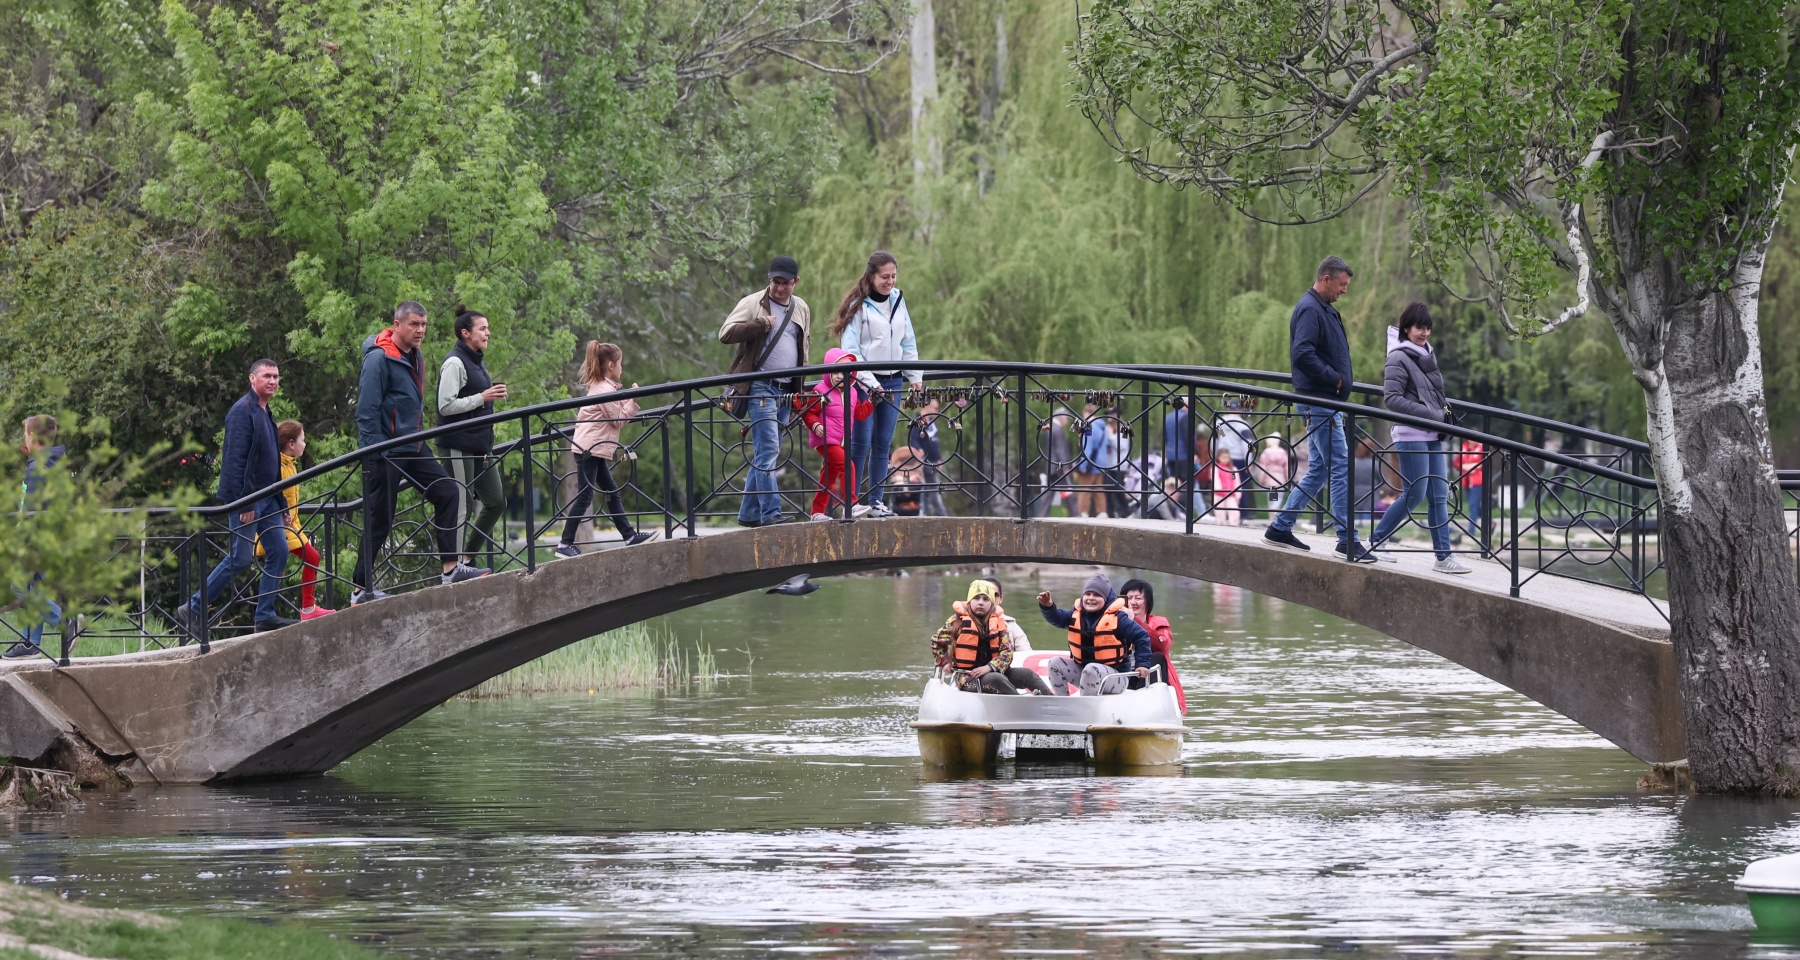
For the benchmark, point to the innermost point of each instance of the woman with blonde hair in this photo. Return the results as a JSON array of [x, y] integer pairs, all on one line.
[[596, 443], [873, 323]]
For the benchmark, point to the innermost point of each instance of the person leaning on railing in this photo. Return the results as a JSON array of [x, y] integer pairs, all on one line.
[[1415, 386], [390, 403]]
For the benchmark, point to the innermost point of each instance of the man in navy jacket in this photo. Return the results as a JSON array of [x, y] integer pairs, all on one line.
[[251, 461], [1319, 352]]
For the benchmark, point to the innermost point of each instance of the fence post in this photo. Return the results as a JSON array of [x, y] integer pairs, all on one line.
[[1512, 495], [204, 615], [687, 417], [1346, 524], [68, 632], [530, 498], [1190, 445], [668, 472]]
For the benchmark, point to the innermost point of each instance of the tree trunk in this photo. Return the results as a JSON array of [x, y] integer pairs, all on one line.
[[1734, 608], [923, 50]]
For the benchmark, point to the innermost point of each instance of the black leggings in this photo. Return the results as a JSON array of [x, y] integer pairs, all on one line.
[[595, 473]]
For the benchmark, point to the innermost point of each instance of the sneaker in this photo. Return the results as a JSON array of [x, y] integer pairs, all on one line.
[[187, 621], [1451, 565], [361, 597], [779, 518], [642, 536], [274, 623], [463, 571], [820, 517], [1284, 538], [567, 551], [749, 523], [315, 613], [19, 651], [879, 510], [1355, 552], [860, 510]]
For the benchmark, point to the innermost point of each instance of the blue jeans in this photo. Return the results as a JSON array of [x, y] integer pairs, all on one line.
[[872, 440], [1472, 501], [1425, 471], [767, 416], [268, 526], [1329, 454], [52, 616]]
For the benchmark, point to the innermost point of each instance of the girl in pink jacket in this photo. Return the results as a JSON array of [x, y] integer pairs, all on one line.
[[825, 423], [596, 442]]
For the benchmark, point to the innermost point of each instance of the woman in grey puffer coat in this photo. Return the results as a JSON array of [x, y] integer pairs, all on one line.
[[1414, 386]]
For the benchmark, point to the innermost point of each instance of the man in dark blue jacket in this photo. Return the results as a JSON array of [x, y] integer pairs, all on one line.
[[251, 461], [1319, 351], [390, 403], [43, 452]]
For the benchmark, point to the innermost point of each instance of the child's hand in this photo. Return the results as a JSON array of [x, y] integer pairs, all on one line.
[[819, 429], [1044, 599]]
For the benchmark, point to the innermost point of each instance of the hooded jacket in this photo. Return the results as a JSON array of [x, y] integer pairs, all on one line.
[[390, 396], [1413, 385], [827, 408], [597, 428], [1318, 349], [251, 459]]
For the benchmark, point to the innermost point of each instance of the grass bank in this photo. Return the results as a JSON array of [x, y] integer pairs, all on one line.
[[637, 656], [33, 920]]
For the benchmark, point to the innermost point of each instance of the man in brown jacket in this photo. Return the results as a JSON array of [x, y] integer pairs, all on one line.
[[771, 328]]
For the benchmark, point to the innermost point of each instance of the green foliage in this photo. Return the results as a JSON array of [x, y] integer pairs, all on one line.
[[44, 921], [639, 656], [64, 543]]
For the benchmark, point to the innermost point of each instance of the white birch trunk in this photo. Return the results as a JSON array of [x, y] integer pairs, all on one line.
[[926, 155]]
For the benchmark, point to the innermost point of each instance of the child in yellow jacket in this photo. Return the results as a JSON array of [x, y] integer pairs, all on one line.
[[292, 438]]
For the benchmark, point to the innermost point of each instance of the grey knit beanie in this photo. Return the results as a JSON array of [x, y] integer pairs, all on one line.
[[1098, 583]]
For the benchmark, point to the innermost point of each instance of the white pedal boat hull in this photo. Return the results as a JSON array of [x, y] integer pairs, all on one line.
[[1134, 728]]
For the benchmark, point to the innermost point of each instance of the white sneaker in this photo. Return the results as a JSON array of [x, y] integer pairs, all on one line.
[[820, 517], [1451, 565], [1384, 557], [859, 511], [880, 510]]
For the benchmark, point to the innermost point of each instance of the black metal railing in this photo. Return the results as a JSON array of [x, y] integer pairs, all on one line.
[[1542, 498]]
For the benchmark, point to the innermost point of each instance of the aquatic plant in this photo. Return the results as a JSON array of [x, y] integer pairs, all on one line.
[[633, 657]]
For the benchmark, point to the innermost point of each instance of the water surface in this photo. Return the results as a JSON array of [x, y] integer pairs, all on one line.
[[1343, 795]]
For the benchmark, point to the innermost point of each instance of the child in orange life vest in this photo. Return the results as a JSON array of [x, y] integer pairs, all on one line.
[[976, 643], [292, 439], [1105, 644], [824, 417]]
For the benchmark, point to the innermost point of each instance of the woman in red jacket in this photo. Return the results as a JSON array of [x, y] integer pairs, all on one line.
[[1140, 600]]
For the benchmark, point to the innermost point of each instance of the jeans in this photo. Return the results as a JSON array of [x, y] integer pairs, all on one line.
[[872, 440], [931, 502], [1424, 470], [269, 525], [52, 614], [767, 416], [596, 474], [1093, 679], [1472, 501], [1329, 453]]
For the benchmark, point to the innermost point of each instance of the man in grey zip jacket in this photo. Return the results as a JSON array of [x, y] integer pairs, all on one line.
[[390, 403]]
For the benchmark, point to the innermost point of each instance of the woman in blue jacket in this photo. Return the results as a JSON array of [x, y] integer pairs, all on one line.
[[874, 324]]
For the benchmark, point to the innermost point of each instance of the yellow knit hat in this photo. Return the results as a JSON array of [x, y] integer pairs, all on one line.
[[981, 588]]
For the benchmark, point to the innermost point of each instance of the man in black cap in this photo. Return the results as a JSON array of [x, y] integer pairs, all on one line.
[[771, 328]]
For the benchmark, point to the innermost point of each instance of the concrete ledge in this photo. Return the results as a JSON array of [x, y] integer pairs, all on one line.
[[303, 699]]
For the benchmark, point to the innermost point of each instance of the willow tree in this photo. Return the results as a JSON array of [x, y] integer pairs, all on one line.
[[1638, 149]]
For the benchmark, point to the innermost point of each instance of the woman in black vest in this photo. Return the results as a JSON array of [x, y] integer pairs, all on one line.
[[465, 391]]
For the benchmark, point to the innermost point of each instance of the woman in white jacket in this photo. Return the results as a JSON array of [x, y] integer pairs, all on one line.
[[874, 324]]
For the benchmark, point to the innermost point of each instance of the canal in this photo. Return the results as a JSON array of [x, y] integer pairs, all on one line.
[[1343, 795]]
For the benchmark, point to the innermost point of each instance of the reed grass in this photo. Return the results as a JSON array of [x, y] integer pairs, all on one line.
[[639, 656]]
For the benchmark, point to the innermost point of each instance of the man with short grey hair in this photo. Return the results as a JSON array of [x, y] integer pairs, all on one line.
[[1319, 351]]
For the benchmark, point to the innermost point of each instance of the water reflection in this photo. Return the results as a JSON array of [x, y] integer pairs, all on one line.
[[1343, 795]]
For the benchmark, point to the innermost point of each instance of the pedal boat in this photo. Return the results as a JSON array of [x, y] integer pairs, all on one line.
[[1773, 889], [1137, 728]]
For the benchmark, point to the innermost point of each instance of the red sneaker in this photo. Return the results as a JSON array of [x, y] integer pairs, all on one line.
[[316, 613]]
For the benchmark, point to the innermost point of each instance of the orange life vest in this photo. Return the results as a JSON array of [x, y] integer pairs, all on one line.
[[973, 647], [1102, 643]]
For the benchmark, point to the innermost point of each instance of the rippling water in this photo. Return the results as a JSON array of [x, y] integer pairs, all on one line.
[[1344, 795]]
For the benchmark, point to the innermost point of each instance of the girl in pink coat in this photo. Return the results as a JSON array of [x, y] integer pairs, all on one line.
[[825, 423]]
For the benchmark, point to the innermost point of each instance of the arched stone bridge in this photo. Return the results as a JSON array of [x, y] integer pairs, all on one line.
[[303, 699]]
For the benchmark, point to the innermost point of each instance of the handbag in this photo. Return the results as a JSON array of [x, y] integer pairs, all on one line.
[[737, 400]]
